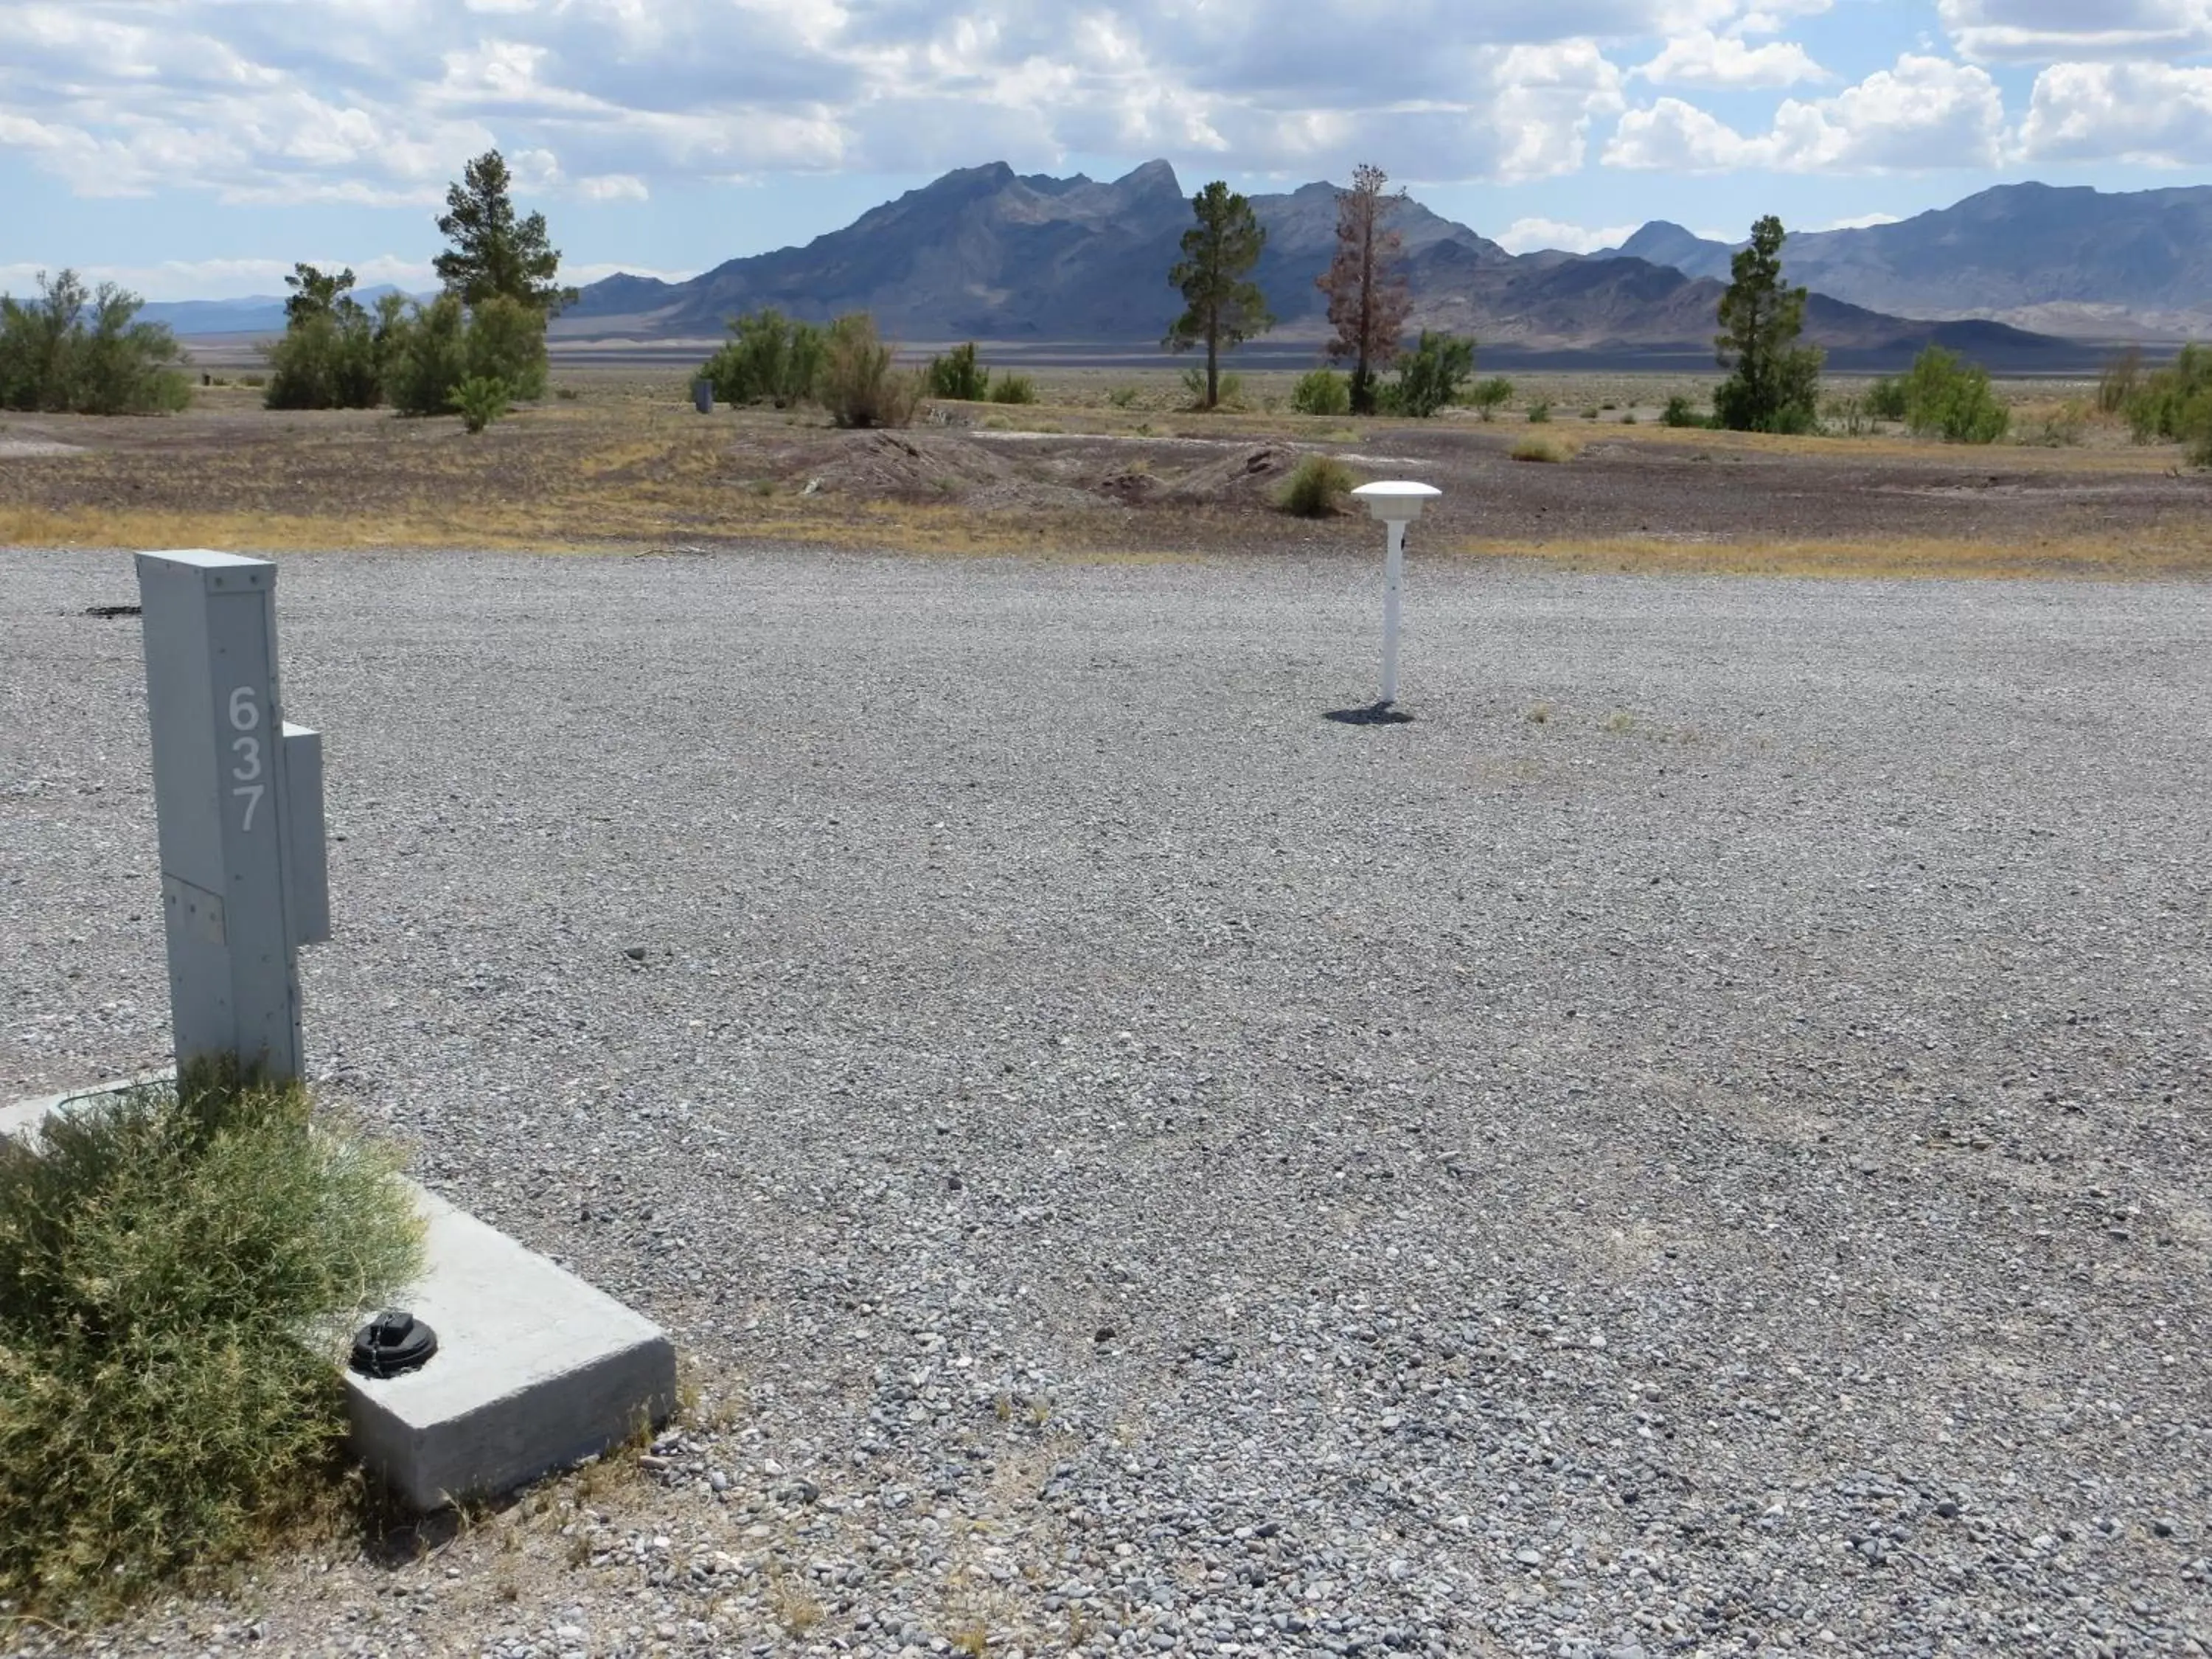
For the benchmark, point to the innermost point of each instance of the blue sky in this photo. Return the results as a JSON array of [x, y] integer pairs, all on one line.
[[196, 147]]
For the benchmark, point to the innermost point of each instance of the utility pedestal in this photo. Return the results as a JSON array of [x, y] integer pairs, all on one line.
[[1397, 504], [239, 798]]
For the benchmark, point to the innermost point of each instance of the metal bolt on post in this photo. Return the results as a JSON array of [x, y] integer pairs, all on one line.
[[238, 799]]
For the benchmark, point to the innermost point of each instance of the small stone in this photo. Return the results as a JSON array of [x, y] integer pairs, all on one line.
[[2164, 1528], [1948, 1510], [719, 1481], [634, 952], [1529, 1558]]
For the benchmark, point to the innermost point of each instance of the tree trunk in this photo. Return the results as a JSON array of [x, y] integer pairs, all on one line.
[[1212, 360]]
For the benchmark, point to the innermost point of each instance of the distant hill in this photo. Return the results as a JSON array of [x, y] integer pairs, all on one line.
[[989, 254], [258, 313], [2069, 260]]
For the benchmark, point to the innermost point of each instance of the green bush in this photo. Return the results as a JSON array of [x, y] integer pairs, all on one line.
[[1887, 399], [2117, 383], [961, 378], [771, 359], [1122, 397], [328, 359], [480, 400], [175, 1268], [79, 351], [427, 357], [1014, 389], [1951, 399], [507, 343], [2175, 403], [1678, 413], [1538, 449], [1539, 413], [1321, 391], [1316, 488], [1489, 396], [1429, 375], [860, 386]]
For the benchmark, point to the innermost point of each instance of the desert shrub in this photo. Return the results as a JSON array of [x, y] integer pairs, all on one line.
[[427, 357], [481, 399], [1229, 390], [75, 350], [1846, 417], [1431, 375], [957, 375], [1315, 487], [1489, 396], [1887, 399], [1321, 391], [1678, 413], [2118, 382], [327, 360], [1539, 413], [860, 386], [2175, 403], [179, 1262], [2060, 428], [1538, 449], [507, 343], [1122, 397], [1014, 389], [770, 358], [1951, 399]]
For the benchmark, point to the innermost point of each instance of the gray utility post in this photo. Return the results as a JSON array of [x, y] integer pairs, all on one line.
[[238, 795]]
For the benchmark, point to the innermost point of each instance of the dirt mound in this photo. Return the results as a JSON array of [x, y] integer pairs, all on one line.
[[925, 465], [1240, 473]]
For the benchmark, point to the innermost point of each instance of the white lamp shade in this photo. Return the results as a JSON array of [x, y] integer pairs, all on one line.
[[1396, 501]]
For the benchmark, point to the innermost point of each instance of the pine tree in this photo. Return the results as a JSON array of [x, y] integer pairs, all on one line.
[[494, 253], [1222, 306], [1775, 383]]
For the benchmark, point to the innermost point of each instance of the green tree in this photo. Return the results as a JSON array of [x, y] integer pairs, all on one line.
[[1430, 377], [1948, 396], [494, 253], [82, 352], [1774, 383], [318, 293], [1368, 299], [1221, 304]]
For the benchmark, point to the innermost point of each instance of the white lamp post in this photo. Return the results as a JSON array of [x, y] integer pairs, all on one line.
[[1397, 504]]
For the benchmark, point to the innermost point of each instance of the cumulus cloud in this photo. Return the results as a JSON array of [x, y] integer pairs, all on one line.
[[1924, 112], [2032, 31], [1526, 236], [1707, 59], [290, 101], [2150, 114]]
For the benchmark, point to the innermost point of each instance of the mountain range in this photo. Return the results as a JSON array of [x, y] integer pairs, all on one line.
[[2072, 261], [1059, 264], [989, 254]]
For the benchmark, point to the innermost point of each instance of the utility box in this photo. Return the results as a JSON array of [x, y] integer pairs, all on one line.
[[239, 797]]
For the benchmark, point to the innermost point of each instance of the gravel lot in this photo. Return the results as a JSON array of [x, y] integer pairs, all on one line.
[[1700, 1143]]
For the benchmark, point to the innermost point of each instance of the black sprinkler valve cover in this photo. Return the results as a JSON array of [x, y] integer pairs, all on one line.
[[392, 1344]]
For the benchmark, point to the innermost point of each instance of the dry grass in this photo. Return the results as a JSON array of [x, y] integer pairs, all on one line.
[[2180, 550]]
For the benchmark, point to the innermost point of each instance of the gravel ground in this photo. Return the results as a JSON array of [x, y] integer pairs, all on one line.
[[1697, 1144]]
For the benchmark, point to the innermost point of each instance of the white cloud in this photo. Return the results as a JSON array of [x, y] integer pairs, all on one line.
[[304, 100], [2031, 31], [1926, 112], [1526, 236], [1861, 221], [1707, 59], [2149, 114], [225, 279]]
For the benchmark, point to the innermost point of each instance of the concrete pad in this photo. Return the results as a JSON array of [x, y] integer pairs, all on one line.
[[534, 1369]]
